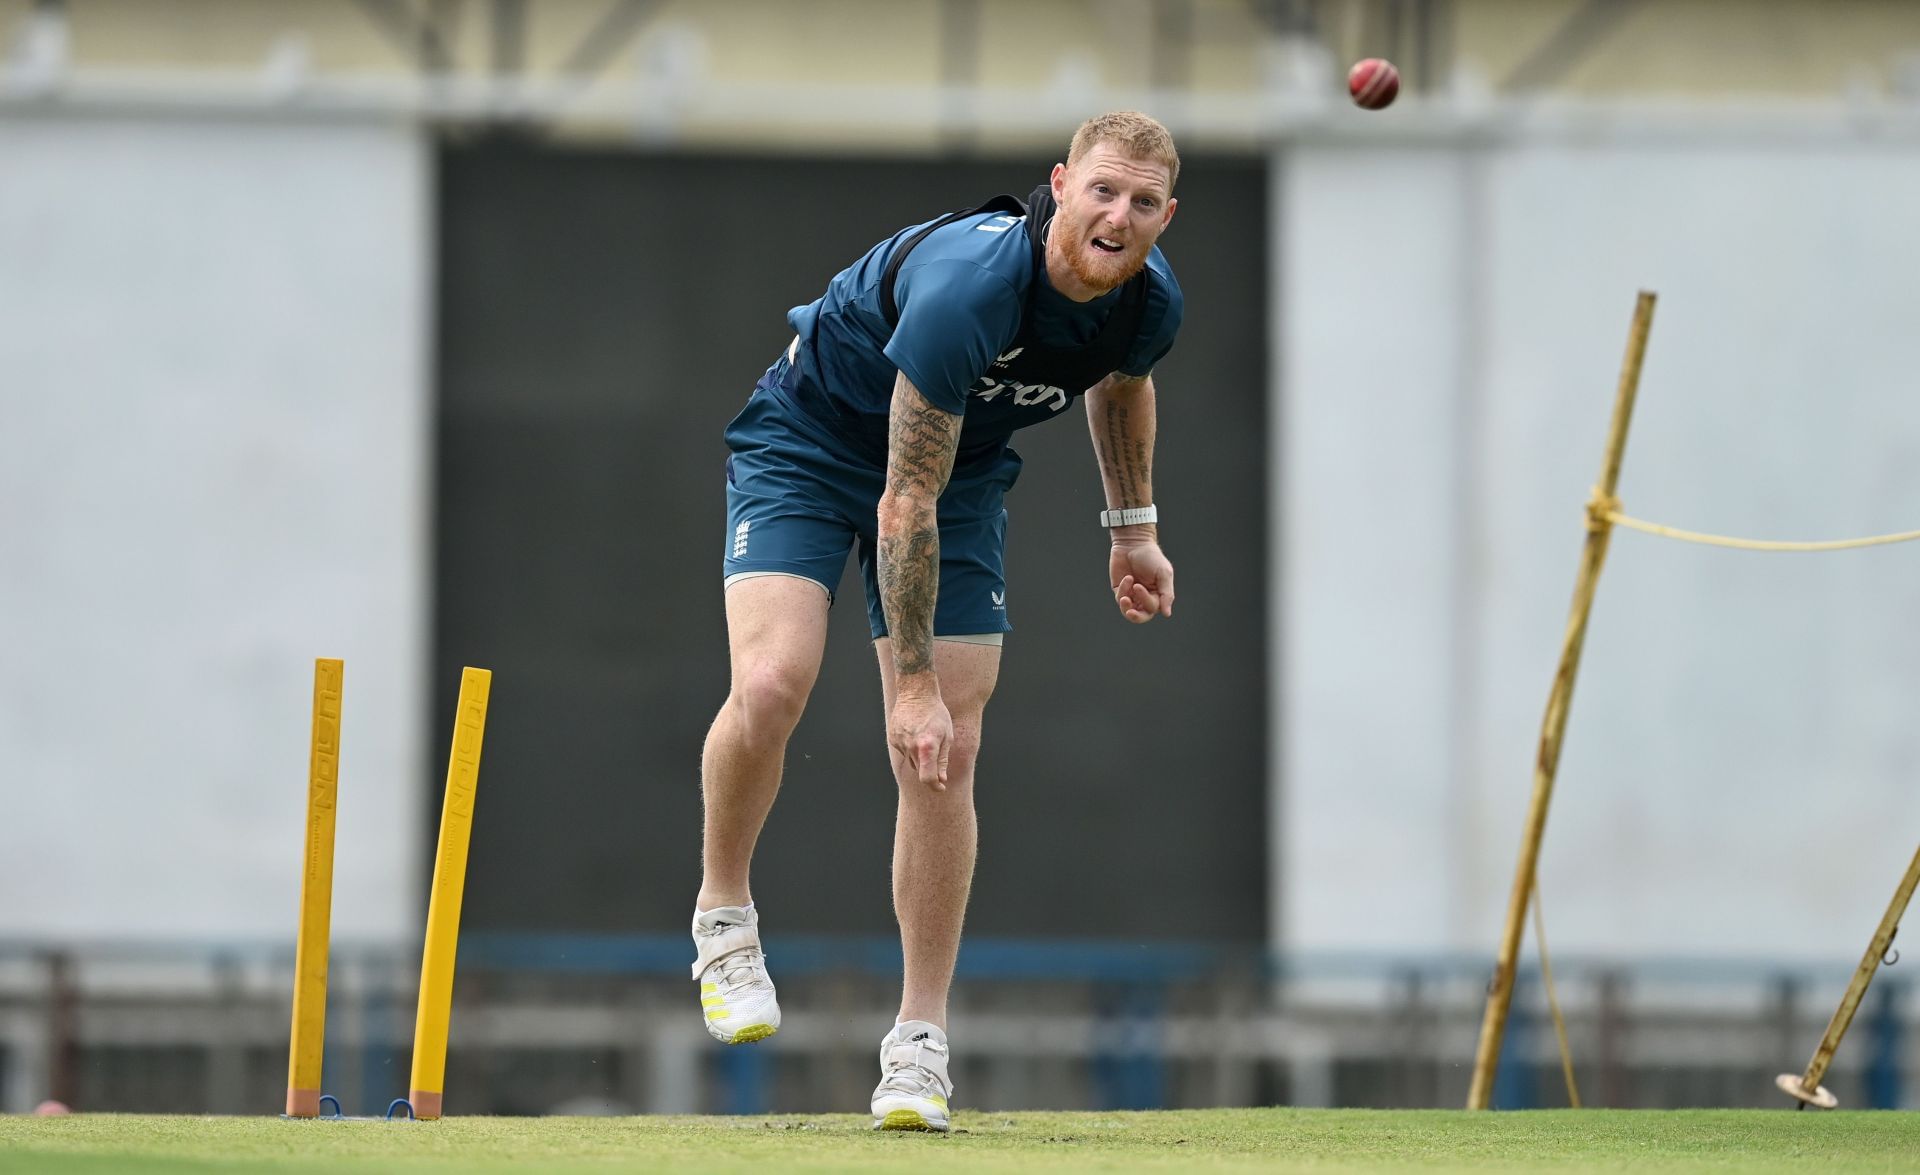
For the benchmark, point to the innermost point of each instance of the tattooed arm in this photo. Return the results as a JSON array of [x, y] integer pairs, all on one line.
[[921, 440], [1120, 414]]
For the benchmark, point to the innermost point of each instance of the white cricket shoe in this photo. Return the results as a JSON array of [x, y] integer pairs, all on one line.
[[914, 1087], [735, 990]]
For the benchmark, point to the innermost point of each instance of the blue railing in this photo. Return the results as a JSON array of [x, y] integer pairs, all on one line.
[[802, 955], [1131, 984]]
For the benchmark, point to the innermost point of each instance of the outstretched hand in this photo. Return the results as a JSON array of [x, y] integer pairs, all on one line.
[[1142, 579]]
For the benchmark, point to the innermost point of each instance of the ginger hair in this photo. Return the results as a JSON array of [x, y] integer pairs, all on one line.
[[1136, 134]]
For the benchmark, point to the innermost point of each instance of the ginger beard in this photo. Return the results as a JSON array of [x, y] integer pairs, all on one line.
[[1075, 230]]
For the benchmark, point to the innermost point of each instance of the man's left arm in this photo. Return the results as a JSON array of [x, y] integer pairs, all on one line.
[[1120, 415]]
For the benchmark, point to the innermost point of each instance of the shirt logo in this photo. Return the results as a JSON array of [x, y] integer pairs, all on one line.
[[1024, 395], [998, 224], [999, 600]]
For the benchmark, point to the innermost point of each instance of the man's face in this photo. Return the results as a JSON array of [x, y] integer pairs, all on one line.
[[1112, 209]]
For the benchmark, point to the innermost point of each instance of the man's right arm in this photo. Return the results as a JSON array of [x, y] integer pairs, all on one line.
[[921, 440], [953, 312]]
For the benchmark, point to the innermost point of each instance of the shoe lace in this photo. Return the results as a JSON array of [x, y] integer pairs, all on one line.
[[913, 1078], [742, 971]]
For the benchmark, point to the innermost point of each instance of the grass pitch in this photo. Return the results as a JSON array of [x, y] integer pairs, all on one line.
[[1172, 1141]]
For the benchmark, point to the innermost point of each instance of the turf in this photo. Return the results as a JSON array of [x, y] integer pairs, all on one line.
[[1033, 1144]]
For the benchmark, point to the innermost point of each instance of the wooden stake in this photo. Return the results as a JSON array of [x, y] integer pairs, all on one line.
[[1493, 1027], [1806, 1087]]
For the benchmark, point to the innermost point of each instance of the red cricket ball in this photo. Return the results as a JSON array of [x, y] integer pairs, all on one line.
[[1374, 83]]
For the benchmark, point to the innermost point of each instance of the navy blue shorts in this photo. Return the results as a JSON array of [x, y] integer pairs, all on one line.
[[797, 505]]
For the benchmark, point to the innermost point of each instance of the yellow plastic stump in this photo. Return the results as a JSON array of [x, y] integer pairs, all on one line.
[[309, 1033], [443, 906]]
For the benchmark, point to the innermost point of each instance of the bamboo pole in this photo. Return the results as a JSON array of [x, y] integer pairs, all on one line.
[[1493, 1027], [1806, 1087]]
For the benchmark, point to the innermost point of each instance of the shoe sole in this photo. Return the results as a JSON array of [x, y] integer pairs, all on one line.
[[748, 1035], [908, 1120]]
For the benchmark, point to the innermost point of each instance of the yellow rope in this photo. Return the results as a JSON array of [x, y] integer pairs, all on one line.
[[1604, 511], [1601, 511], [1553, 1001]]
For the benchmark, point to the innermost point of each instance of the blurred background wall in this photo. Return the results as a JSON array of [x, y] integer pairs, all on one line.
[[1735, 711], [213, 466], [402, 332]]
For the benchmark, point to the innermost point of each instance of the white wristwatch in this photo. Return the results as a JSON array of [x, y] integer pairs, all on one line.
[[1129, 516]]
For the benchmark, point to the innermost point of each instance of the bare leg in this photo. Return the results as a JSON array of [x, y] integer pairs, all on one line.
[[934, 832], [776, 633]]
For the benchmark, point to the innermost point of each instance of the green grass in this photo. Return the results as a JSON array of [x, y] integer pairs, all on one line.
[[1032, 1144]]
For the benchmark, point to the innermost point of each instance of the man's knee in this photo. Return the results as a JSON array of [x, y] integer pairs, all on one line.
[[966, 740], [770, 697]]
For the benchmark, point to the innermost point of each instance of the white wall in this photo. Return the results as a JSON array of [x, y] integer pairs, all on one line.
[[213, 469], [1741, 774]]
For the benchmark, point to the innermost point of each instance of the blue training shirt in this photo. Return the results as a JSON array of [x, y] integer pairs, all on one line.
[[961, 293]]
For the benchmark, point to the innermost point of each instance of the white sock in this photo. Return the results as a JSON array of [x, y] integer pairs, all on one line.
[[906, 1030]]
